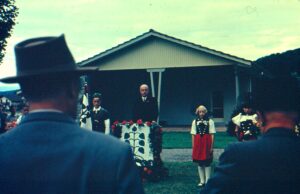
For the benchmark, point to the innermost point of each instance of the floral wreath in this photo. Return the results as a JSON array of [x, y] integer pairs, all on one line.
[[152, 171]]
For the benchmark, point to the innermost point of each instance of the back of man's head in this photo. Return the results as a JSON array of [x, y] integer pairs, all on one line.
[[278, 94], [37, 88], [277, 101]]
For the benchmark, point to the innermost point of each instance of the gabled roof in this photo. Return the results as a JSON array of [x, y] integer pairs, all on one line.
[[153, 33]]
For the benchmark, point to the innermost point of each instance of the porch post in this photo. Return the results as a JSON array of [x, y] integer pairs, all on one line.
[[237, 85], [250, 84], [152, 84], [159, 71]]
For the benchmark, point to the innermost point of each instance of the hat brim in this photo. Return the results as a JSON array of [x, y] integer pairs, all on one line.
[[76, 72]]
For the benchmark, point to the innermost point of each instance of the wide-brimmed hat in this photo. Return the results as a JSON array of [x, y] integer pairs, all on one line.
[[44, 56]]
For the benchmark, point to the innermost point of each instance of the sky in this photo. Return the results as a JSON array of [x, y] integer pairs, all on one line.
[[245, 28]]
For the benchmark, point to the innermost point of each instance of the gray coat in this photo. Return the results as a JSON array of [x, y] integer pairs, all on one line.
[[49, 153]]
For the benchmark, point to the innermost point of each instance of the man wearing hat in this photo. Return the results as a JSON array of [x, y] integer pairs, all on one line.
[[270, 164], [47, 152], [100, 116]]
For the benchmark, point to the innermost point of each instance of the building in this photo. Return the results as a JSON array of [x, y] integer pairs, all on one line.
[[181, 74]]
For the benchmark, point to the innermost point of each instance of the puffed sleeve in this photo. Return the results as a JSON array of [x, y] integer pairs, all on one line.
[[255, 118], [212, 128], [193, 128], [236, 119]]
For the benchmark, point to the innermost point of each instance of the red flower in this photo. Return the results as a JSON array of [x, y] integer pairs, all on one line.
[[148, 123], [145, 169], [124, 122], [116, 122], [139, 122], [131, 122], [149, 171], [113, 127]]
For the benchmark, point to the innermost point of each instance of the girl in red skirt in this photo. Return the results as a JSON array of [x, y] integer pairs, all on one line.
[[202, 130]]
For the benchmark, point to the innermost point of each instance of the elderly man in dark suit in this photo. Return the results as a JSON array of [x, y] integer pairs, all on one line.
[[145, 106], [270, 164], [48, 152]]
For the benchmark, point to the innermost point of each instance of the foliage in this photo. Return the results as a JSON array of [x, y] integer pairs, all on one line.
[[8, 14], [280, 63]]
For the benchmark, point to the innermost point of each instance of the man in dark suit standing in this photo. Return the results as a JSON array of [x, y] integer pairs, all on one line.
[[100, 116], [270, 164], [145, 107], [47, 152]]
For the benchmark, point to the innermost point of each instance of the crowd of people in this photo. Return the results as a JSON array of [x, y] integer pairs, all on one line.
[[49, 153], [11, 118]]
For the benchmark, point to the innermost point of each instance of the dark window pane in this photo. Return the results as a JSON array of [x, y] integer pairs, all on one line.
[[218, 104]]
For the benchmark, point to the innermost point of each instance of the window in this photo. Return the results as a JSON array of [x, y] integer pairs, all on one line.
[[218, 104]]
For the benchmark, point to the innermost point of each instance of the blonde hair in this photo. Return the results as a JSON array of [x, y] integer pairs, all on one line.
[[201, 107]]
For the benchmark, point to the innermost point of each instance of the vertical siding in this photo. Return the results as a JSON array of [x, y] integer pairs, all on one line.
[[157, 53]]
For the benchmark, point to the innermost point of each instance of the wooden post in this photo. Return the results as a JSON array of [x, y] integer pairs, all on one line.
[[237, 85]]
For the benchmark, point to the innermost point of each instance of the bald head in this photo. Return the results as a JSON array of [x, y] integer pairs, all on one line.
[[144, 90]]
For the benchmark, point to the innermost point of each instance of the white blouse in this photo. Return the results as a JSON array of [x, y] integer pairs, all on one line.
[[212, 128]]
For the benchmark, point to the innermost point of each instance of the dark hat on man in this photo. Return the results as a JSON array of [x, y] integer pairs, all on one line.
[[277, 94], [44, 56]]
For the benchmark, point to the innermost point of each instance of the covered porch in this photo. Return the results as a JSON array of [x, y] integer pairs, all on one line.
[[181, 75]]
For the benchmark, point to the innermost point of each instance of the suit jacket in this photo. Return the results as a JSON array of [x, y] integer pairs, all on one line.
[[268, 165], [49, 153], [147, 111], [98, 119]]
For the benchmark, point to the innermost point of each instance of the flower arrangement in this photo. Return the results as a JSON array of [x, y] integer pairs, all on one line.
[[152, 171]]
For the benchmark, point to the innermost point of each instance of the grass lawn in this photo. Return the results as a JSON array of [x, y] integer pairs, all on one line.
[[183, 178], [184, 140]]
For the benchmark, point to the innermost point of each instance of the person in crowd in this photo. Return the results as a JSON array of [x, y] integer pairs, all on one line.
[[269, 164], [145, 107], [202, 131], [12, 116], [246, 123], [11, 120], [2, 120], [100, 116], [48, 152], [25, 111]]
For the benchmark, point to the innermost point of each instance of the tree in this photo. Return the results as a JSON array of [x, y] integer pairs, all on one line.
[[8, 14]]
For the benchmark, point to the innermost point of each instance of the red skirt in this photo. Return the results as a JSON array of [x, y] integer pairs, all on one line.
[[202, 147]]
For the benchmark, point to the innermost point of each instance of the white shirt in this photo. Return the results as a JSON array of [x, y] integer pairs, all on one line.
[[212, 128], [96, 109], [144, 98]]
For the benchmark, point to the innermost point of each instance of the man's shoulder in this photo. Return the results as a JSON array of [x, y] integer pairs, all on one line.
[[98, 140], [104, 110], [242, 148]]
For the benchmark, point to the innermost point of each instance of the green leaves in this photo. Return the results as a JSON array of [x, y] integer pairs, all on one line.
[[8, 14]]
